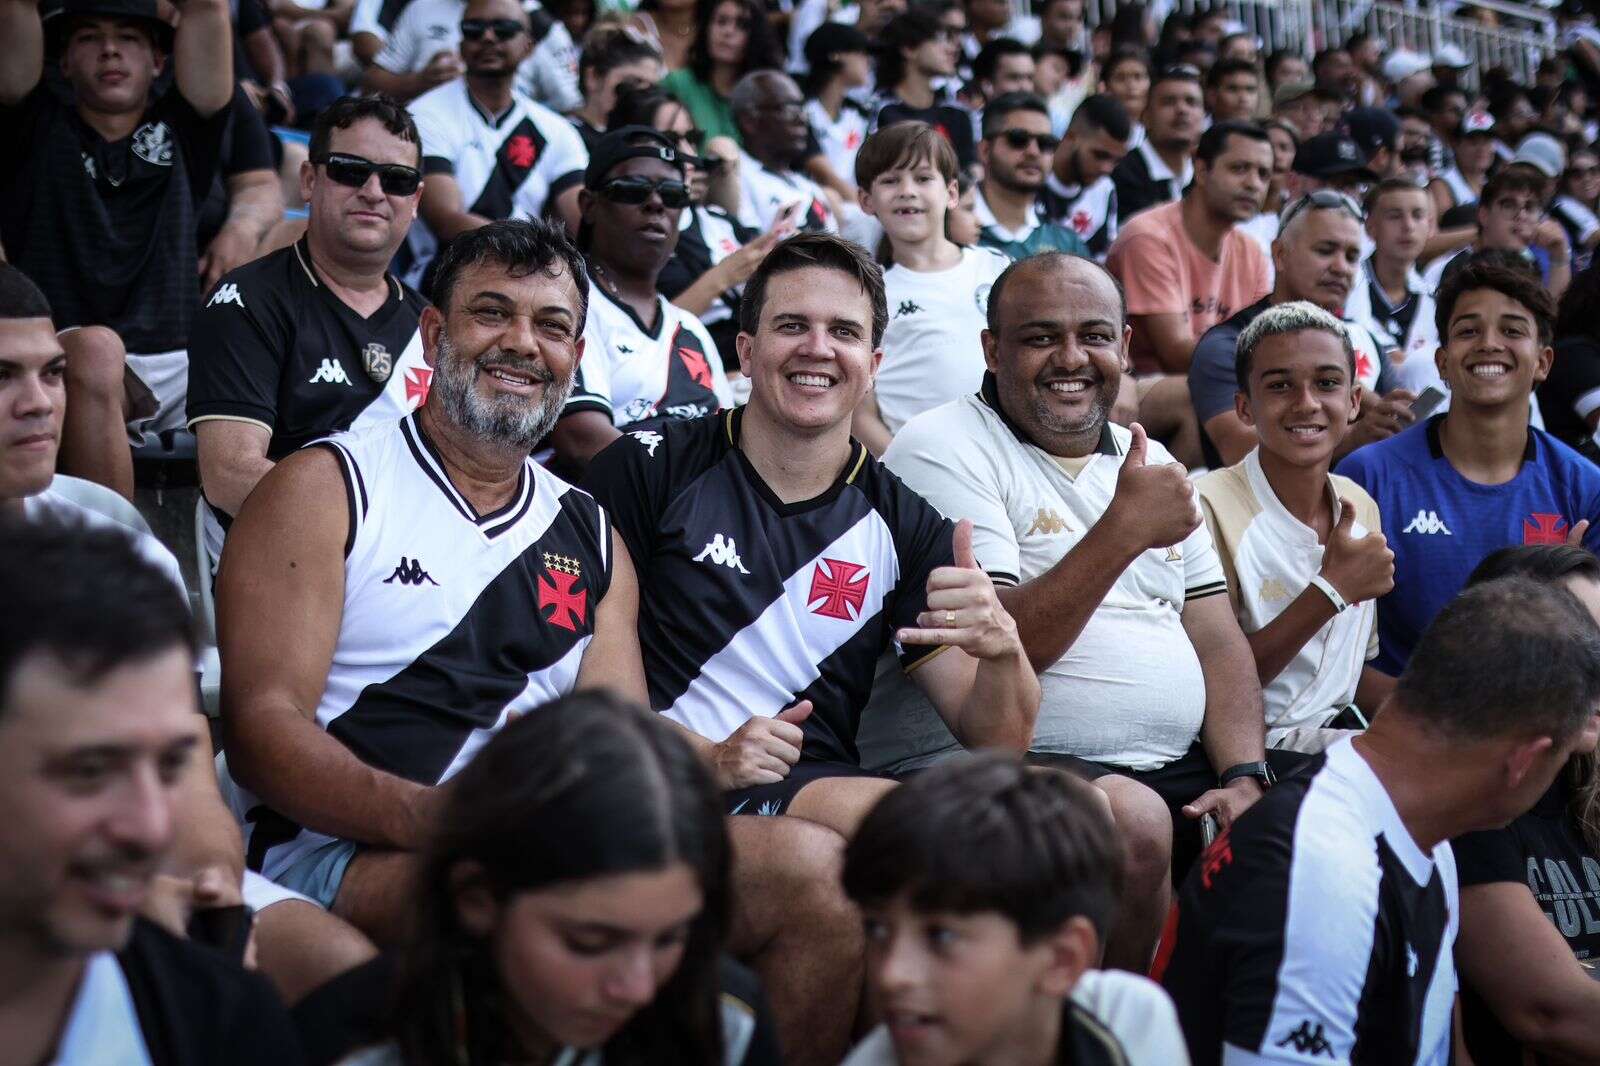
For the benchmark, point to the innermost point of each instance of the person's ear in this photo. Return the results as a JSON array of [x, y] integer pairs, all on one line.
[[308, 177], [1126, 352], [1073, 948], [1524, 758], [742, 343], [1541, 367], [477, 911], [1356, 392], [432, 328], [1241, 407], [864, 198], [991, 351]]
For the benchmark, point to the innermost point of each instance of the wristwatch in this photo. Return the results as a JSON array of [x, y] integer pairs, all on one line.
[[1261, 771]]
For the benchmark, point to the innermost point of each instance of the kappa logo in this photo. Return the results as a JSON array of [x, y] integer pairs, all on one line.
[[651, 440], [1174, 555], [1427, 522], [152, 142], [410, 572], [907, 307], [623, 349], [556, 591], [418, 380], [838, 589], [1048, 523], [1540, 528], [1273, 589], [1309, 1040], [330, 372], [227, 293], [722, 552]]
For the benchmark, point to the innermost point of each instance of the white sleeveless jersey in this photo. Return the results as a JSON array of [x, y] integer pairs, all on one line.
[[452, 622]]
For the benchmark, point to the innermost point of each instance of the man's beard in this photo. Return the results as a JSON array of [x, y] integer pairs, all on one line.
[[503, 419]]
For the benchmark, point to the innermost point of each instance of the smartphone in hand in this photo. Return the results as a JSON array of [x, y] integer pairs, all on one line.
[[1428, 402]]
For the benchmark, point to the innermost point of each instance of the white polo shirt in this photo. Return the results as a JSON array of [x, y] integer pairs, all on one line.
[[1270, 556], [1129, 691]]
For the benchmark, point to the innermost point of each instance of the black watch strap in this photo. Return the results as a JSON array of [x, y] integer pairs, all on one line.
[[1261, 771]]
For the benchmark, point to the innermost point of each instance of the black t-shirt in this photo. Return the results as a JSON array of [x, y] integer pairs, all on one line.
[[353, 1010], [1543, 850], [1574, 375], [275, 346], [952, 120], [197, 1008], [107, 229]]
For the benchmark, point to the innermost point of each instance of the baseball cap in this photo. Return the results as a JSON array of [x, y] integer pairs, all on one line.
[[1289, 92], [1400, 65], [834, 38], [1451, 56], [1331, 155], [1542, 152], [628, 142], [59, 16], [1476, 124], [1372, 128]]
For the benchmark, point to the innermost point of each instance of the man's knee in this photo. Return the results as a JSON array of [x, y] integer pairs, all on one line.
[[1144, 822], [300, 946], [316, 33], [96, 361], [785, 873]]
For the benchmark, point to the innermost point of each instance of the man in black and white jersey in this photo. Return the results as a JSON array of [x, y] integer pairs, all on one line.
[[423, 580], [779, 560], [317, 337], [489, 151], [1078, 192], [1319, 928]]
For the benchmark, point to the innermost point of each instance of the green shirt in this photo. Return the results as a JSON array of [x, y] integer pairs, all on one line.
[[708, 108]]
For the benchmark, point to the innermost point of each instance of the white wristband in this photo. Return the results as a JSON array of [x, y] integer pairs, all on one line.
[[1326, 587]]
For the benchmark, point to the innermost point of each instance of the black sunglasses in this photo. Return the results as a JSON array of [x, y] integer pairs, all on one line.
[[1020, 139], [674, 194], [502, 29], [352, 170]]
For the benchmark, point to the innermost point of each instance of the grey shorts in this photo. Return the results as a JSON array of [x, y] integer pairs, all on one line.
[[157, 388], [319, 872]]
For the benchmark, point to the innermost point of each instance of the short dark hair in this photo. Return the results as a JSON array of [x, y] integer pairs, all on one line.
[[1006, 104], [87, 597], [637, 106], [1276, 59], [1214, 141], [523, 247], [1515, 177], [607, 47], [1124, 54], [19, 296], [1507, 657], [909, 29], [1104, 112], [1547, 563], [1487, 270], [1321, 58], [990, 834], [1225, 67], [1186, 72], [815, 250], [1038, 261], [987, 61], [1435, 99], [348, 110]]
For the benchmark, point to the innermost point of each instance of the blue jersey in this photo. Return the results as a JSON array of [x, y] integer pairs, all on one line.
[[1440, 525]]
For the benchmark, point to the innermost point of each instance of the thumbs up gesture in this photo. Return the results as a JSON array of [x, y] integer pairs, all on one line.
[[1361, 568], [963, 608], [1154, 506], [763, 750]]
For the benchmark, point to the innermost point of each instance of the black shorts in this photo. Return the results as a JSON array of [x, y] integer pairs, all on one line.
[[775, 798], [1178, 783]]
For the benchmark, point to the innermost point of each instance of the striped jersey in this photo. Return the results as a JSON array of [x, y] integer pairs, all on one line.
[[748, 604], [452, 621], [1316, 930]]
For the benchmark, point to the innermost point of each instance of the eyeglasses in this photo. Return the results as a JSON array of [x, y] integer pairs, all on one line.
[[1322, 200], [633, 191], [353, 170], [502, 29], [1020, 139]]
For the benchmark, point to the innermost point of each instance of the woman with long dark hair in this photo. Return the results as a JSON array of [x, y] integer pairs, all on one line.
[[1569, 397], [570, 909], [732, 38]]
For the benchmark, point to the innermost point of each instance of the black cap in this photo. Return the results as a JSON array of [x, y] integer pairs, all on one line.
[[834, 38], [1331, 155], [59, 15], [1476, 124], [1373, 128], [628, 142]]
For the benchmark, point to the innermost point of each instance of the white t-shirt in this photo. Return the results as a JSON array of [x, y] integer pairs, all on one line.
[[763, 192], [840, 137], [1270, 557], [72, 500], [1129, 691], [103, 1026], [932, 353]]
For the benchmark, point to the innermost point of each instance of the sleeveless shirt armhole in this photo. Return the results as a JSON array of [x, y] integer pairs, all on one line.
[[355, 490]]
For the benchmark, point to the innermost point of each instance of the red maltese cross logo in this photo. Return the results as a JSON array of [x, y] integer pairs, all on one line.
[[519, 151], [838, 590], [1544, 529], [555, 590], [418, 379]]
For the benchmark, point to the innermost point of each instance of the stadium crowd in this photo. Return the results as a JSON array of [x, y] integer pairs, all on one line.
[[892, 532]]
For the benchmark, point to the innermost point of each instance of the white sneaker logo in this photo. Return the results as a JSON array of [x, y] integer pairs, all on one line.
[[1428, 522], [650, 439], [331, 372], [226, 294], [722, 552]]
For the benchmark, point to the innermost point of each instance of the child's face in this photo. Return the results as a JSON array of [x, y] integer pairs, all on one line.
[[910, 201], [962, 989], [1302, 398], [964, 228]]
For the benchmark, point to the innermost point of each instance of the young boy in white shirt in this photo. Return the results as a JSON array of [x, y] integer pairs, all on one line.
[[938, 291], [1302, 548], [986, 887]]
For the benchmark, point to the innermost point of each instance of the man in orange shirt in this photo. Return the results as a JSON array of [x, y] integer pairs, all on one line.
[[1185, 265]]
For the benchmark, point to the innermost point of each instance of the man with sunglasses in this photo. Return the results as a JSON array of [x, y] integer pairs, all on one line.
[[317, 337], [646, 361], [491, 152], [1160, 167], [1015, 152]]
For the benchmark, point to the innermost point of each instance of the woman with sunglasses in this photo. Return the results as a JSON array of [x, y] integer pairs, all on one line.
[[732, 38], [645, 361], [1577, 206], [570, 910]]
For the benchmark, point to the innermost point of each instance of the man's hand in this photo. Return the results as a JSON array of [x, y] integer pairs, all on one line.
[[737, 268], [228, 249], [172, 898], [1552, 238], [963, 609], [1361, 568], [1227, 802], [762, 751], [1578, 531], [1154, 506], [1382, 417], [444, 66]]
